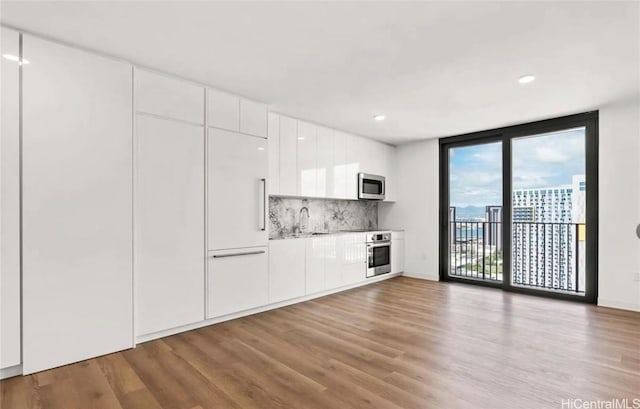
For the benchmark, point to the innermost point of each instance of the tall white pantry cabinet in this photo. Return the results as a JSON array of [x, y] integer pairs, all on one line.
[[10, 195], [169, 212], [76, 205]]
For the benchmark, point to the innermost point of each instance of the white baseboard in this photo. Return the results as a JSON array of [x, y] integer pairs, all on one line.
[[621, 305], [421, 276], [161, 334], [10, 371]]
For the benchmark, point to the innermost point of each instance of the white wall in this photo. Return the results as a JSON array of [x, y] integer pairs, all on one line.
[[619, 206], [619, 249], [416, 209]]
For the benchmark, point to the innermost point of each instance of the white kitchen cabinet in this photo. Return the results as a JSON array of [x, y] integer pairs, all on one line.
[[10, 196], [368, 156], [287, 266], [315, 263], [353, 258], [379, 158], [253, 118], [333, 265], [316, 161], [397, 255], [237, 280], [288, 156], [168, 97], [223, 110], [339, 173], [307, 171], [324, 257], [324, 172], [273, 143], [76, 205], [237, 198], [354, 165], [317, 249], [169, 244], [390, 185]]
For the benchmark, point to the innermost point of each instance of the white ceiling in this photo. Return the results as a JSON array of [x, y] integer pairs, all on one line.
[[433, 68]]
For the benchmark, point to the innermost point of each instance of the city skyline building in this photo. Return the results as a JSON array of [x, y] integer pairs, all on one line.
[[493, 229]]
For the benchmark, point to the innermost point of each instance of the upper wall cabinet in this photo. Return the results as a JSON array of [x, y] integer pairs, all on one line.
[[314, 161], [339, 173], [10, 196], [169, 97], [355, 158], [390, 186], [230, 112], [76, 205], [307, 150], [324, 159], [288, 156], [253, 118], [273, 144], [223, 110]]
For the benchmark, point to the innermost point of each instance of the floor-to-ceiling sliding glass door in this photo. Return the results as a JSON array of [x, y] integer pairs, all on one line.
[[475, 216], [518, 207]]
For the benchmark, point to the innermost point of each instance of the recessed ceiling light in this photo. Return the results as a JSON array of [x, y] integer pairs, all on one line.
[[301, 138], [379, 117], [525, 79], [260, 148], [14, 58]]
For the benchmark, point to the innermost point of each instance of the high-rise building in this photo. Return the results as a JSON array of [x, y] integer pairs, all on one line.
[[493, 227], [578, 199], [543, 205], [545, 235], [578, 215]]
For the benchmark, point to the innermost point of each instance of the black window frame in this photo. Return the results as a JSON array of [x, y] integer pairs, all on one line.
[[588, 120]]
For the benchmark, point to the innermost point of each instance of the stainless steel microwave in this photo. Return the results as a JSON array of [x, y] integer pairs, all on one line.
[[371, 187]]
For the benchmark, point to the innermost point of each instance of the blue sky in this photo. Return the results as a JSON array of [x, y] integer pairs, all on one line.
[[548, 160]]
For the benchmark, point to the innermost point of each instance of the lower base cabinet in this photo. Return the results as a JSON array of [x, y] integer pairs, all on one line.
[[397, 256], [397, 252], [237, 280], [315, 271], [323, 267], [333, 263], [287, 267], [354, 258], [311, 265]]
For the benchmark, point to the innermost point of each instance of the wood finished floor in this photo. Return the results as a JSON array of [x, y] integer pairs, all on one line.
[[401, 343]]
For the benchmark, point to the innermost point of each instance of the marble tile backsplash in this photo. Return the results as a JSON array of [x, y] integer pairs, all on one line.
[[289, 216]]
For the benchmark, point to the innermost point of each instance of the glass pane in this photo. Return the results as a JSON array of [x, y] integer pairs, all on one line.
[[380, 256], [475, 211], [548, 211], [373, 187]]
